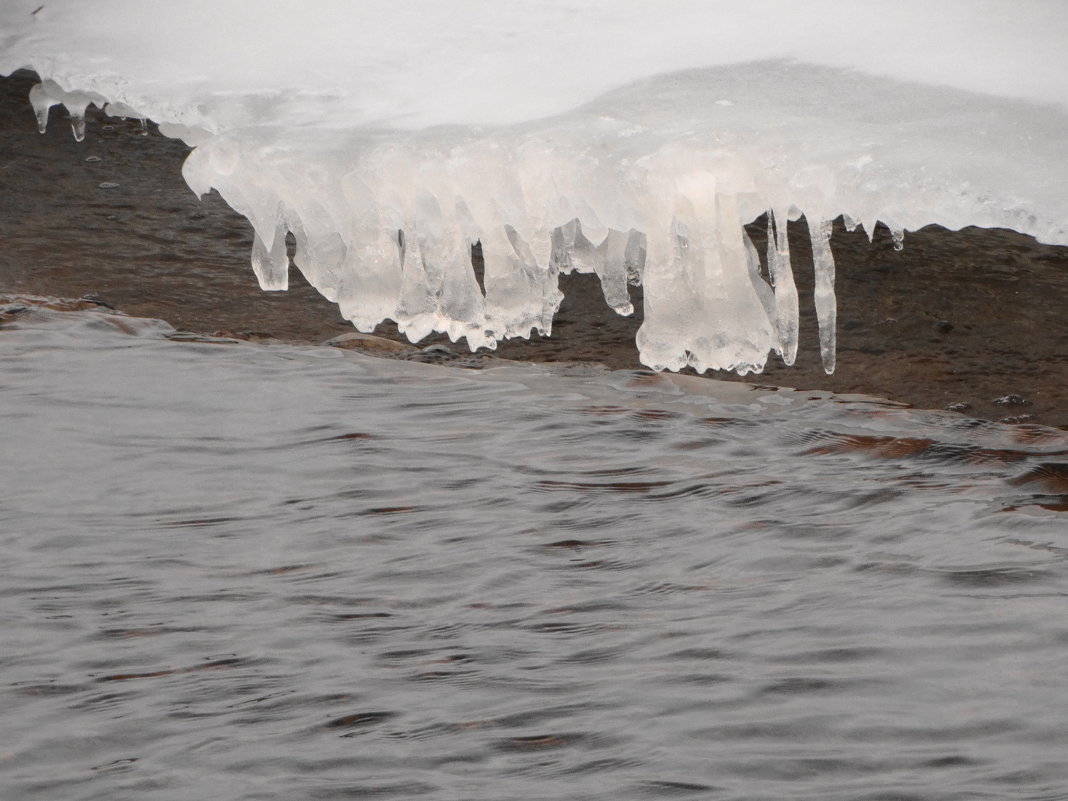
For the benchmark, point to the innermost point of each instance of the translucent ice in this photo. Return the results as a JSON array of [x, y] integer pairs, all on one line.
[[47, 94], [782, 277], [630, 140]]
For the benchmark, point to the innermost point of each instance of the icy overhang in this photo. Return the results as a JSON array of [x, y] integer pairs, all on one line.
[[629, 139]]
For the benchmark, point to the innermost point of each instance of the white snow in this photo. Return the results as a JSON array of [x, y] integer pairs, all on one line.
[[629, 139]]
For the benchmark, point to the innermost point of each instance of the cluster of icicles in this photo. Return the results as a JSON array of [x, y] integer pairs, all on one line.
[[48, 93], [390, 236]]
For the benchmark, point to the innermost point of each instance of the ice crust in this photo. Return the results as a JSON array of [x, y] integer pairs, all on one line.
[[662, 139]]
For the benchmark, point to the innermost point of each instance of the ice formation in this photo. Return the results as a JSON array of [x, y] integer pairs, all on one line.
[[631, 140]]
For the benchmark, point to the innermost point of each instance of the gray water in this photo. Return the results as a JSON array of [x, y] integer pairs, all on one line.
[[235, 571]]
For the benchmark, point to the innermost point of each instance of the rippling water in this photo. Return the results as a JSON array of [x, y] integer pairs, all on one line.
[[235, 571]]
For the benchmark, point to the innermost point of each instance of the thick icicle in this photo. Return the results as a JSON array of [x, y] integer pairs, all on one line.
[[371, 274], [416, 313], [520, 293], [571, 250], [445, 255], [319, 252], [702, 307], [42, 102], [826, 306], [438, 289]]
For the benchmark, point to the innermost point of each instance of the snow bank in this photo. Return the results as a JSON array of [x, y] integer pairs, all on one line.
[[633, 140]]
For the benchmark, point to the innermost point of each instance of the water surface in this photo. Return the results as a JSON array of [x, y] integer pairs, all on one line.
[[239, 571]]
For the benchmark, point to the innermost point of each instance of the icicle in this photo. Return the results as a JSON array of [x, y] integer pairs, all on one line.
[[41, 102], [319, 254], [520, 293], [438, 290], [826, 310], [635, 257], [705, 303], [782, 279], [869, 227], [47, 94], [421, 275], [126, 112], [77, 123], [462, 308], [445, 254], [765, 294], [563, 242], [544, 280], [584, 257], [370, 286], [416, 312], [613, 272], [369, 290], [271, 265]]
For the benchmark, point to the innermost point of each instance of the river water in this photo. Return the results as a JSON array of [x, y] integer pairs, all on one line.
[[238, 571]]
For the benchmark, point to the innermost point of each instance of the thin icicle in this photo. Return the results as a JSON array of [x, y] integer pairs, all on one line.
[[271, 265], [826, 306], [635, 257], [77, 122], [782, 279]]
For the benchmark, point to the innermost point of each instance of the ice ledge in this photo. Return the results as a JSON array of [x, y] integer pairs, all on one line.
[[651, 183]]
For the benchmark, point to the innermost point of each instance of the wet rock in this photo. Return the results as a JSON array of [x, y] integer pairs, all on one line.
[[434, 354], [944, 326], [371, 344], [1011, 400], [96, 300], [1017, 418], [244, 336]]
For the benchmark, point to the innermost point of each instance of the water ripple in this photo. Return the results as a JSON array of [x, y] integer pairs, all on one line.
[[394, 580]]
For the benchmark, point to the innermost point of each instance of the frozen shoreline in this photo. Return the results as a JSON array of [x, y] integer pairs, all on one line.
[[957, 317]]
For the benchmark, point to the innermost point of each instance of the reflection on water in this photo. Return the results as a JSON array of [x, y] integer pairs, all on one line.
[[243, 572]]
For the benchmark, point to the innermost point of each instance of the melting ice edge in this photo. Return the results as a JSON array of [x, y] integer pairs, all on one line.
[[651, 184]]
